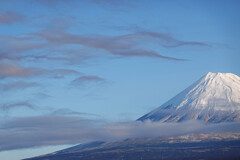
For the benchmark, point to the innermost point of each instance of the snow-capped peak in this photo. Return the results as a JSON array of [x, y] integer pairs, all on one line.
[[215, 97]]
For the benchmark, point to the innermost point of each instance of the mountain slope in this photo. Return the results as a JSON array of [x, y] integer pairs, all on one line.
[[81, 147], [199, 146], [213, 98]]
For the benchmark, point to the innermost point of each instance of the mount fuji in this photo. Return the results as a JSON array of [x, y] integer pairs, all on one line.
[[213, 98]]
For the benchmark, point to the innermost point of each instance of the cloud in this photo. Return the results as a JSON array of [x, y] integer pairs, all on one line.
[[10, 106], [57, 43], [123, 45], [132, 28], [9, 17], [69, 112], [35, 49], [8, 57], [114, 5], [53, 3], [27, 132], [60, 73], [111, 2], [87, 79], [17, 85], [42, 95], [16, 44], [10, 70], [14, 70], [65, 71], [166, 40]]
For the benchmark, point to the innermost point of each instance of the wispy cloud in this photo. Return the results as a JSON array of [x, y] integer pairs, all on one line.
[[126, 45], [14, 70], [60, 73], [114, 5], [26, 132], [12, 57], [9, 17], [69, 112], [111, 2], [123, 45], [10, 106], [87, 79], [54, 3], [17, 85], [42, 95], [9, 70], [166, 40], [18, 44]]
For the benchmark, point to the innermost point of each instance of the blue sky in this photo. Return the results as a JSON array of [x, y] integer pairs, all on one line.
[[112, 60]]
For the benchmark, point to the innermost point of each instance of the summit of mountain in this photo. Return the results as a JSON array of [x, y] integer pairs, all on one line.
[[213, 98]]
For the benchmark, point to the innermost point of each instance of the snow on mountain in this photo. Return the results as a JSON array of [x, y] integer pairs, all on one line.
[[213, 98]]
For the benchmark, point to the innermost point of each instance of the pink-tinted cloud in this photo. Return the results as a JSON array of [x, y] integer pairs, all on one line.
[[10, 70], [12, 45], [17, 85], [9, 17], [13, 70]]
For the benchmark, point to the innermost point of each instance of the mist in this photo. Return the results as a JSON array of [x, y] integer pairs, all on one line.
[[28, 132]]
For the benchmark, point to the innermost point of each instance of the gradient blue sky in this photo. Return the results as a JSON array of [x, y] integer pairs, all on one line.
[[108, 59]]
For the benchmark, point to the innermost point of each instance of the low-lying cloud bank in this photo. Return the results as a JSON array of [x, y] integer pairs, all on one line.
[[27, 132]]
